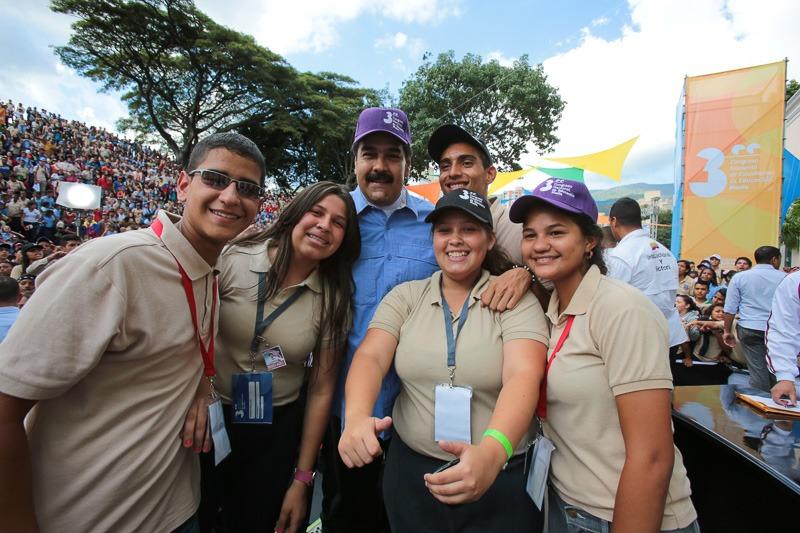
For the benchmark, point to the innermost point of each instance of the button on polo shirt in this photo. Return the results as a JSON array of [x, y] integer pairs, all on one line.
[[107, 347], [617, 345], [412, 313], [295, 330]]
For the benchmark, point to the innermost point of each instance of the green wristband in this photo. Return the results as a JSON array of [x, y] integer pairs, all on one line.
[[502, 439]]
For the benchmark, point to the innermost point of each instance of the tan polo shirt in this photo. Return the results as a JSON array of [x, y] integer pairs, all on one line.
[[509, 234], [106, 344], [412, 313], [686, 286], [295, 330], [617, 344]]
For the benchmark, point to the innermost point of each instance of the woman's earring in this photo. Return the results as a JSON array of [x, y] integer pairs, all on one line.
[[589, 255]]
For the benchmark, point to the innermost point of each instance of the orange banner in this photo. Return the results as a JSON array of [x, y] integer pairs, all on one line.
[[732, 174]]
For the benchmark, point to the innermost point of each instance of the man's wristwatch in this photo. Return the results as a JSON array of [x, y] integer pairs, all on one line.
[[304, 477]]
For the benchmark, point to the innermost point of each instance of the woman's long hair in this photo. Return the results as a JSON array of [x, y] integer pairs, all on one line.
[[335, 271]]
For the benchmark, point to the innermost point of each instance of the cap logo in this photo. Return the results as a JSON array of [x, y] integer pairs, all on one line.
[[558, 187], [394, 120], [471, 197]]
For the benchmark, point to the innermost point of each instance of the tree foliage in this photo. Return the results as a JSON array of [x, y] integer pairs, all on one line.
[[664, 228], [312, 144], [506, 107], [791, 88], [181, 74], [790, 232]]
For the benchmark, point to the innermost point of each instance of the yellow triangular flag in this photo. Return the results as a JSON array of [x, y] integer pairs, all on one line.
[[504, 178], [606, 163]]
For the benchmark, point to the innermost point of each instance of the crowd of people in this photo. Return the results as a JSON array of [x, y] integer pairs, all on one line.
[[458, 367], [40, 149]]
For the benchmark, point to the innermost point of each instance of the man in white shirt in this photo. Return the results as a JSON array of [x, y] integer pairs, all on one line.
[[647, 265], [783, 342], [750, 295]]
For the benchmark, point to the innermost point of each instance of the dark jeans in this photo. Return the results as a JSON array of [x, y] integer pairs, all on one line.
[[352, 499], [505, 507], [755, 351], [244, 493]]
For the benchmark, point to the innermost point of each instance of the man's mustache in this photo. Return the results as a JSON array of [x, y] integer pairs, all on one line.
[[379, 177]]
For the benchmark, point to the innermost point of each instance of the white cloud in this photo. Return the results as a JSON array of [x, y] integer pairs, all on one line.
[[600, 21], [397, 40], [401, 41], [311, 25], [616, 89], [498, 56]]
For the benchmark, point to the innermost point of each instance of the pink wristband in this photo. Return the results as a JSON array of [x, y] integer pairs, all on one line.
[[304, 477]]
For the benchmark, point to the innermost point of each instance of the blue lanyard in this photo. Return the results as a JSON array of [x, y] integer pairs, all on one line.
[[263, 323], [448, 329]]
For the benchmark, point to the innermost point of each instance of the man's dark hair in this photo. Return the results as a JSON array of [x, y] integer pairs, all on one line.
[[9, 290], [765, 254], [236, 143], [627, 212], [69, 237], [701, 282]]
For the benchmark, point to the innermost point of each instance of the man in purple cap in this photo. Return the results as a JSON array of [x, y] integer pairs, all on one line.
[[396, 246]]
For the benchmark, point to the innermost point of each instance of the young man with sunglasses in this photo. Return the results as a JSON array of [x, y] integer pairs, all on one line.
[[108, 392]]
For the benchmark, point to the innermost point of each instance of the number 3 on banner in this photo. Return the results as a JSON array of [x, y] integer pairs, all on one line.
[[717, 180]]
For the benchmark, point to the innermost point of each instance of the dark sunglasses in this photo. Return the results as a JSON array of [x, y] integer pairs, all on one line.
[[219, 181]]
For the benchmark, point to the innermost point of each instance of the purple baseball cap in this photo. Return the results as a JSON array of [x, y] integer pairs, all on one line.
[[387, 119], [569, 195]]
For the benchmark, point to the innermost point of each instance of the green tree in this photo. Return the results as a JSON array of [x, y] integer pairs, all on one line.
[[181, 74], [506, 107], [791, 87], [790, 232], [664, 228], [313, 144]]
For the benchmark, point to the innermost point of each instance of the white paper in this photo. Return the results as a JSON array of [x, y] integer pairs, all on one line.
[[536, 483], [769, 403], [222, 446], [452, 420]]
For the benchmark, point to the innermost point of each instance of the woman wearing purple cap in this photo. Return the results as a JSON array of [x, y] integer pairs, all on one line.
[[607, 381]]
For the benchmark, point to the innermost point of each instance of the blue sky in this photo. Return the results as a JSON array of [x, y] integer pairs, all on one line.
[[618, 64], [489, 29]]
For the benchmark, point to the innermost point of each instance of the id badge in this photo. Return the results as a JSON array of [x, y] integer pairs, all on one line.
[[452, 413], [252, 398], [538, 467], [222, 446], [273, 358]]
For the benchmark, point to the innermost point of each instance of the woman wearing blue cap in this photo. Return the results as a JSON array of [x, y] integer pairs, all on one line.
[[607, 381], [469, 380]]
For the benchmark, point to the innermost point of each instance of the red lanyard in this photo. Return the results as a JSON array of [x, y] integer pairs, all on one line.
[[207, 352], [541, 407]]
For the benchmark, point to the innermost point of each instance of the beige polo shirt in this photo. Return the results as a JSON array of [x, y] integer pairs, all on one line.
[[295, 330], [107, 347], [617, 344], [412, 313], [686, 286], [509, 234]]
